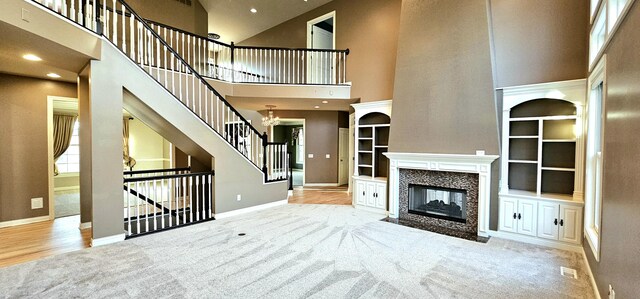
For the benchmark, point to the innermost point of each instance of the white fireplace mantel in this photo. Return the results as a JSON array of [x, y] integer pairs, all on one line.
[[480, 164]]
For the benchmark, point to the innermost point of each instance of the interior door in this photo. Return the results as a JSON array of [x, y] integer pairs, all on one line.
[[508, 215], [548, 220], [527, 217], [570, 223], [343, 156], [319, 66]]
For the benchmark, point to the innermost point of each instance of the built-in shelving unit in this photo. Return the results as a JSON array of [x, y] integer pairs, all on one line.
[[542, 163], [372, 125]]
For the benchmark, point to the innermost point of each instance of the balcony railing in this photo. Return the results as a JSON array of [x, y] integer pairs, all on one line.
[[246, 64]]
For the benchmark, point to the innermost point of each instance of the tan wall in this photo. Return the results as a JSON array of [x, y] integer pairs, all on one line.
[[619, 261], [192, 18], [540, 40], [444, 100], [369, 28], [321, 137], [66, 181], [149, 148], [23, 167]]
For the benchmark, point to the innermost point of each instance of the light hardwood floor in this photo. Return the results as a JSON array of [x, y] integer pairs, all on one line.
[[34, 241], [321, 195]]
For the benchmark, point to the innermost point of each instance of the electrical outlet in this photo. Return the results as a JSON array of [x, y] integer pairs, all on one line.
[[612, 293], [26, 15], [479, 153], [310, 156], [239, 197], [37, 203], [328, 156]]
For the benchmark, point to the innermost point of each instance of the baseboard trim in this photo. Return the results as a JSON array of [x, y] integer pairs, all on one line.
[[251, 209], [535, 241], [24, 221], [84, 225], [67, 188], [289, 193], [371, 210], [322, 185], [107, 240], [594, 285]]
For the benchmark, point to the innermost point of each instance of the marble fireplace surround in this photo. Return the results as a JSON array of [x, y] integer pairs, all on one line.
[[475, 164]]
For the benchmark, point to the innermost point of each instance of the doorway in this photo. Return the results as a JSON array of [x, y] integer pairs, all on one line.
[[292, 131], [343, 156], [321, 36], [64, 151]]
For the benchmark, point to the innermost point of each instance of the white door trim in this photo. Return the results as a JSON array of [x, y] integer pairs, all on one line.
[[341, 168], [319, 19]]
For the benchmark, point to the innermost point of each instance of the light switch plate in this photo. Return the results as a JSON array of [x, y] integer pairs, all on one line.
[[239, 197], [479, 153], [25, 15], [310, 156], [37, 203], [328, 156]]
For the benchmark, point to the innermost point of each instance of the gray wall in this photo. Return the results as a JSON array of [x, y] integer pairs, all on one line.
[[620, 248], [191, 18], [539, 40], [369, 28], [321, 136], [23, 139], [444, 100]]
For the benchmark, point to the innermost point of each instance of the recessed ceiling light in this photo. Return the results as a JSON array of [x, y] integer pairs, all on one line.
[[31, 57], [317, 107], [253, 10], [53, 75], [325, 102]]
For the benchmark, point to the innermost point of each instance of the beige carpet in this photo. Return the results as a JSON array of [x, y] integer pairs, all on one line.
[[301, 251]]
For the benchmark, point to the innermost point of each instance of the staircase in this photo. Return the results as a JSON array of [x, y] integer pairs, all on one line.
[[149, 53]]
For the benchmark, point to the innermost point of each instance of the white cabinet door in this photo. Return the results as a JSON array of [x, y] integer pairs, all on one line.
[[527, 217], [361, 193], [548, 220], [371, 189], [508, 214], [570, 223], [381, 196]]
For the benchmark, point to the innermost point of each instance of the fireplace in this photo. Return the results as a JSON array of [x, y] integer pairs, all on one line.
[[443, 203], [444, 193]]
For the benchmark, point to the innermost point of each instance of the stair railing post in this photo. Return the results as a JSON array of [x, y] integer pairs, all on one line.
[[265, 169], [233, 69]]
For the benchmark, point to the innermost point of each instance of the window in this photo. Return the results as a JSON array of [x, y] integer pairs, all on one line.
[[598, 35], [594, 162], [615, 9], [300, 147], [69, 162], [594, 6]]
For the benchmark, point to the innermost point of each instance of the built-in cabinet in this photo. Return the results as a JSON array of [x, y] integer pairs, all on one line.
[[542, 161], [371, 135]]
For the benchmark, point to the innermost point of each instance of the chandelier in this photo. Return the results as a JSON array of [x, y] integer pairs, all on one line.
[[269, 121]]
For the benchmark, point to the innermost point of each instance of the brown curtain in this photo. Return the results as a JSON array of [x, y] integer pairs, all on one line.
[[62, 132], [127, 160]]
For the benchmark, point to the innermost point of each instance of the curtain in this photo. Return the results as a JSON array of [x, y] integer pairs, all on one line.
[[127, 160], [62, 132]]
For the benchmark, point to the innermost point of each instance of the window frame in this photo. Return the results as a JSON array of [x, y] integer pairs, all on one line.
[[594, 165], [75, 136]]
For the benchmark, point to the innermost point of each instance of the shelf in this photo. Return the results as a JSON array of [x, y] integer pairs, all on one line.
[[558, 140], [365, 138], [523, 161], [382, 146], [543, 196], [365, 152], [375, 126], [364, 165], [557, 169], [553, 117], [524, 137]]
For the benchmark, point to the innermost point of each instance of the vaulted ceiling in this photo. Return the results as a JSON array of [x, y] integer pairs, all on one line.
[[233, 20]]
